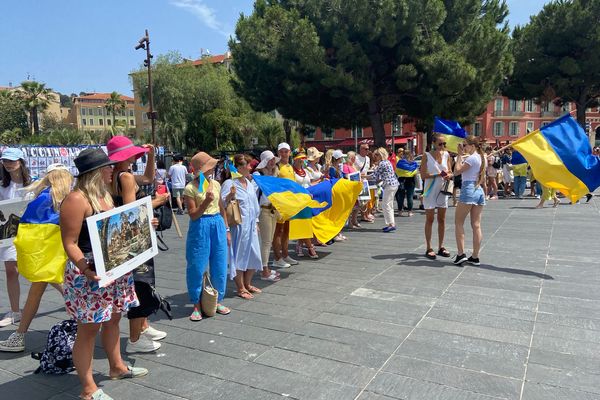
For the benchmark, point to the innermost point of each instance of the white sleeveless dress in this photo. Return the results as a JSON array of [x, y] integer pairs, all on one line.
[[432, 198]]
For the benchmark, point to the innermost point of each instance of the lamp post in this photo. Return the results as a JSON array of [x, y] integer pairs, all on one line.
[[144, 43]]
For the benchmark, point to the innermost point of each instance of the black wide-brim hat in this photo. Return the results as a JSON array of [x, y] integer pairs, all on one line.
[[92, 159]]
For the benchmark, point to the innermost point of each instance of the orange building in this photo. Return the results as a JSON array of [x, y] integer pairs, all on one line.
[[89, 113]]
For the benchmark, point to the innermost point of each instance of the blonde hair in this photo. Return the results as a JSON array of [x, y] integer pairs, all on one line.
[[328, 157], [474, 141], [382, 153], [92, 186], [59, 181], [350, 155]]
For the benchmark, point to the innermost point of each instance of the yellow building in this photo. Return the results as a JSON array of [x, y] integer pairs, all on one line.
[[89, 113], [54, 110]]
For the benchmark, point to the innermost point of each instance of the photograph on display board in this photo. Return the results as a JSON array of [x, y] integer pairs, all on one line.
[[122, 239], [11, 212]]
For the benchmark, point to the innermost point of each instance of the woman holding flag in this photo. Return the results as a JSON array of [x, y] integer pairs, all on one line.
[[472, 197], [406, 170], [436, 167]]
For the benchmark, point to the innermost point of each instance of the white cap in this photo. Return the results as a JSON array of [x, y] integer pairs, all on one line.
[[337, 154], [284, 145], [56, 166]]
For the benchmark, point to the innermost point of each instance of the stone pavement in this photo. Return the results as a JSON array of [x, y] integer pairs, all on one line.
[[373, 320]]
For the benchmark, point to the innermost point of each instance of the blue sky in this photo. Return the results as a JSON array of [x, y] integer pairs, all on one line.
[[82, 45]]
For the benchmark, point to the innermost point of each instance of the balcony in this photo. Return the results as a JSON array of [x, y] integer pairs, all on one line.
[[550, 114], [508, 113]]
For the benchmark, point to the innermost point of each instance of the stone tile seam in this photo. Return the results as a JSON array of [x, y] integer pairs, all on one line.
[[430, 308], [537, 308]]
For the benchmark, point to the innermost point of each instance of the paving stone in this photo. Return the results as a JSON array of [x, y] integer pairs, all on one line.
[[363, 325], [565, 361], [563, 378], [478, 331], [533, 391]]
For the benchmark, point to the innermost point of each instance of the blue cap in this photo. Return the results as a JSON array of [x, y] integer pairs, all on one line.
[[12, 154]]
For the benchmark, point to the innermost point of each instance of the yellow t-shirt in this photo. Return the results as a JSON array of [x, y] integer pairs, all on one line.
[[286, 171], [191, 190]]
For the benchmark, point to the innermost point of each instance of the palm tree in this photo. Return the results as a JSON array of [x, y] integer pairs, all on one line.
[[36, 98], [114, 104]]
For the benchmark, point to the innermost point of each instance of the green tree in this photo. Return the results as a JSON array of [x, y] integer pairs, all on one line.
[[36, 98], [339, 63], [12, 114], [114, 105], [558, 56]]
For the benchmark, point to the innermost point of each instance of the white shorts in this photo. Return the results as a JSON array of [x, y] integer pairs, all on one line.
[[8, 253]]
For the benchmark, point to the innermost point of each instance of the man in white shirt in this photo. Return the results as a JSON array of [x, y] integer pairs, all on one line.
[[362, 163], [177, 174]]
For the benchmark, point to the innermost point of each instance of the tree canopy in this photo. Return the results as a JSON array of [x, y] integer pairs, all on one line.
[[12, 113], [198, 108], [339, 63], [558, 55]]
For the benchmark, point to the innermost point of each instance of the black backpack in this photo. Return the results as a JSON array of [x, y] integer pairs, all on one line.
[[57, 358], [164, 214], [497, 164]]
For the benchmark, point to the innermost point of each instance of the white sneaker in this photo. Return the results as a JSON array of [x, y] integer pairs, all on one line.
[[14, 344], [281, 264], [10, 318], [143, 345], [154, 334], [290, 260]]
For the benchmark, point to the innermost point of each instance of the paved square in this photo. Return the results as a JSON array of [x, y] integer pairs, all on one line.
[[373, 320]]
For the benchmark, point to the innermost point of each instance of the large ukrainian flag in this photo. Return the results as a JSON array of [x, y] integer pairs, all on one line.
[[452, 131], [40, 253], [561, 158], [301, 224], [288, 197], [519, 164], [406, 169]]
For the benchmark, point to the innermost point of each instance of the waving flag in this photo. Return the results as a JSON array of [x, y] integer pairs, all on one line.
[[328, 221], [561, 158], [288, 197], [406, 169], [234, 172], [452, 131], [40, 253], [519, 164], [203, 183]]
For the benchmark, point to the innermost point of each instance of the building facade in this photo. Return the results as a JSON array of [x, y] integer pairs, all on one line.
[[89, 113]]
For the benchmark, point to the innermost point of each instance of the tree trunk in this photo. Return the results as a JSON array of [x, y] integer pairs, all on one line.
[[36, 122], [581, 108], [114, 127], [288, 130], [377, 125]]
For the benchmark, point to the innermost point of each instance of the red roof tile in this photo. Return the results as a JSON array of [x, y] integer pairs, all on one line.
[[102, 96], [218, 59]]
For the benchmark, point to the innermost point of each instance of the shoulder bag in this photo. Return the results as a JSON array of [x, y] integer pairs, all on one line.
[[234, 215], [208, 300]]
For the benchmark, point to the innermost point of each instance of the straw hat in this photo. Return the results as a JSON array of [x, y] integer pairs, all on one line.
[[312, 153], [202, 162]]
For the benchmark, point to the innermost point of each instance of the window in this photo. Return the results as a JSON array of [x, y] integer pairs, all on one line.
[[477, 129], [144, 117], [108, 122], [566, 107], [101, 122], [357, 132], [91, 121], [499, 106], [84, 121], [513, 129], [498, 129], [122, 113], [309, 132], [530, 106], [545, 123], [529, 126], [514, 105], [131, 113], [83, 110], [131, 122], [546, 107], [327, 133]]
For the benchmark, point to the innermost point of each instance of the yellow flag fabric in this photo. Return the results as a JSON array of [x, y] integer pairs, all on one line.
[[330, 222], [40, 253]]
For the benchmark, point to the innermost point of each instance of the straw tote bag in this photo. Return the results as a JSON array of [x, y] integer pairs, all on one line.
[[234, 215], [208, 301]]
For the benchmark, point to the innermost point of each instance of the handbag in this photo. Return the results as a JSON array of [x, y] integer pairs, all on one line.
[[208, 300], [164, 214], [447, 187], [234, 215]]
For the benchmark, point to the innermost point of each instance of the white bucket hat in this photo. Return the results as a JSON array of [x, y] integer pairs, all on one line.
[[265, 157]]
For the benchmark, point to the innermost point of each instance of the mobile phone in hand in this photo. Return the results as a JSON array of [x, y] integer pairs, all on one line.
[[443, 174]]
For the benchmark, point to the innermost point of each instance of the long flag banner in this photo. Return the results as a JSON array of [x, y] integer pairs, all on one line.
[[452, 132], [519, 164], [301, 224], [39, 245], [406, 169], [288, 197], [561, 158]]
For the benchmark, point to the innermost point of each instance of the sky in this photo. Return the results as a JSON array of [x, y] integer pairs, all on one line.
[[84, 46]]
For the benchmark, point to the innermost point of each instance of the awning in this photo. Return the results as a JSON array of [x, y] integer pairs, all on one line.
[[371, 141]]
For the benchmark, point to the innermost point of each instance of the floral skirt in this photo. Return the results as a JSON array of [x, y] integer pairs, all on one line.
[[87, 302]]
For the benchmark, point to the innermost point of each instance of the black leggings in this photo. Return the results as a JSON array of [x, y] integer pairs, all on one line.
[[406, 190]]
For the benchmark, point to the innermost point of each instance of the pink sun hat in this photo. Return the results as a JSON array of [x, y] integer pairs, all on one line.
[[121, 148]]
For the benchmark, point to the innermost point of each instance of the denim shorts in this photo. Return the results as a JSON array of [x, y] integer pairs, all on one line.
[[471, 194]]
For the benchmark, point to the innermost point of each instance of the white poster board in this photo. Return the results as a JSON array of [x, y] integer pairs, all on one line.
[[122, 239], [11, 212]]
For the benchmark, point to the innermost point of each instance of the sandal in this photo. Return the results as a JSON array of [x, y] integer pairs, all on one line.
[[244, 294], [430, 254], [196, 315], [312, 253], [270, 278], [221, 309], [254, 289], [443, 252]]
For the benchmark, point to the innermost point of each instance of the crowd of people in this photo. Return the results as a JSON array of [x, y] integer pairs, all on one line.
[[216, 245]]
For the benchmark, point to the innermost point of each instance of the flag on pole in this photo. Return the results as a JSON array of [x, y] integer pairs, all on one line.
[[452, 131], [561, 158]]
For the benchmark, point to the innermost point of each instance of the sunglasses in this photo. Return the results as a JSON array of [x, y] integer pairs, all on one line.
[[442, 144]]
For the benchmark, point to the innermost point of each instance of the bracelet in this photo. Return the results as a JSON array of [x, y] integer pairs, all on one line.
[[227, 229]]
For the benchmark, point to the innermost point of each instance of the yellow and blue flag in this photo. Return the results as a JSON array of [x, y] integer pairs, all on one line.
[[301, 224], [406, 169], [452, 132], [561, 158], [40, 253], [287, 196], [519, 164], [203, 183], [232, 169]]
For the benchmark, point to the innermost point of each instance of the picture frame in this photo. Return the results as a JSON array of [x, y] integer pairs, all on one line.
[[354, 176], [11, 212], [122, 239], [365, 195]]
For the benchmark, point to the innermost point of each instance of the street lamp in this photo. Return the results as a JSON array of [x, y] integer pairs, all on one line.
[[144, 43]]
